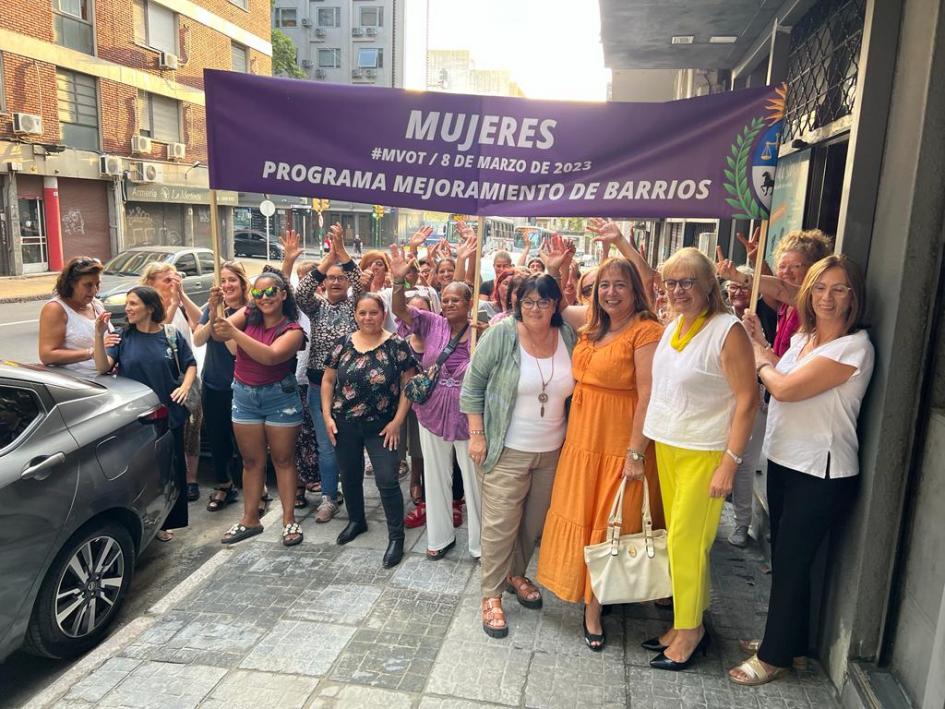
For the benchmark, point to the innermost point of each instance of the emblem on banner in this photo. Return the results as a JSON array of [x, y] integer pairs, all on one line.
[[752, 162]]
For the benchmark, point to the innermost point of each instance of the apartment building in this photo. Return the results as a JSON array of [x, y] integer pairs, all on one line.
[[102, 124], [455, 71]]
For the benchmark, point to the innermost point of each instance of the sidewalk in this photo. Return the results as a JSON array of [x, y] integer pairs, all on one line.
[[325, 626]]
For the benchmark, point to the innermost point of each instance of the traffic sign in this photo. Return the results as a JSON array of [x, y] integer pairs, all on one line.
[[267, 208]]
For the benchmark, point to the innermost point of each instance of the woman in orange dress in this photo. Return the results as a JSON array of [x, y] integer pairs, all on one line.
[[612, 367]]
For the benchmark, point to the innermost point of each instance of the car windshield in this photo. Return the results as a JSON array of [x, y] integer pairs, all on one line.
[[132, 263]]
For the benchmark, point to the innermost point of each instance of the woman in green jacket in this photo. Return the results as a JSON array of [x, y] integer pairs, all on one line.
[[514, 397]]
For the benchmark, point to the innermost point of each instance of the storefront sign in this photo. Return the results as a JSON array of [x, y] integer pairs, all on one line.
[[790, 198], [712, 156], [178, 194]]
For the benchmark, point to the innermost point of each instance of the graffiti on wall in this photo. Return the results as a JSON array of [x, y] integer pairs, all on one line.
[[73, 224]]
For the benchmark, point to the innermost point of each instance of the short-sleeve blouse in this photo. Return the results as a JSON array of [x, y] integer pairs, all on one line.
[[367, 386]]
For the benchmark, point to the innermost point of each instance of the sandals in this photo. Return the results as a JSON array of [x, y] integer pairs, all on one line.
[[437, 554], [417, 517], [457, 513], [193, 492], [755, 673], [523, 588], [416, 492], [164, 535], [300, 501], [291, 534], [238, 532], [217, 502], [313, 487], [750, 647], [595, 642], [493, 618]]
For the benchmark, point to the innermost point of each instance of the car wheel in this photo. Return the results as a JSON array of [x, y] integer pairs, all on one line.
[[82, 591]]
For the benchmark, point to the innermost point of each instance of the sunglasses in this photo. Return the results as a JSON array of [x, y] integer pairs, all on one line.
[[269, 292]]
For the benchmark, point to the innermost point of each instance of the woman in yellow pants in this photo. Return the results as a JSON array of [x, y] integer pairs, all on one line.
[[701, 412]]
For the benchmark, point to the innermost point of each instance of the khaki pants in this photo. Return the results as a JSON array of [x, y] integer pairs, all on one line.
[[516, 494]]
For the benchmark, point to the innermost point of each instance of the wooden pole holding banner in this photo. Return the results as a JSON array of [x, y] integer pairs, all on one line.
[[215, 246], [480, 235], [759, 263]]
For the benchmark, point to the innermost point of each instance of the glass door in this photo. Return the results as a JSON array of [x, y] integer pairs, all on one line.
[[33, 236]]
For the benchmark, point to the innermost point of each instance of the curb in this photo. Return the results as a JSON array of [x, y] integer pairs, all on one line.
[[26, 298], [117, 640]]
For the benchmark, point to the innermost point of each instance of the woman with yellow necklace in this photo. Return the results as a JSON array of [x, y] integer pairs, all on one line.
[[701, 411]]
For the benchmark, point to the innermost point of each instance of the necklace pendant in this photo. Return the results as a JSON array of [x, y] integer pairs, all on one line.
[[543, 398], [542, 412]]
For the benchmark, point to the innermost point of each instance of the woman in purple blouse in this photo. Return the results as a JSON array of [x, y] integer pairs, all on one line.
[[443, 429]]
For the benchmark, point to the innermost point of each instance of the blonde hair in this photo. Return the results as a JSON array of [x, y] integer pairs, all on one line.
[[811, 244], [237, 269], [154, 269], [805, 296], [693, 261]]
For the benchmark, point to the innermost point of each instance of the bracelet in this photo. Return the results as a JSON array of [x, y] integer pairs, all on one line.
[[476, 433], [762, 366], [91, 353]]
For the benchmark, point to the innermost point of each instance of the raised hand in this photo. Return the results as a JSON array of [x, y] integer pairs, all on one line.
[[420, 237], [751, 244], [102, 321], [290, 242], [468, 247], [725, 268], [607, 230], [399, 265], [556, 253], [336, 234]]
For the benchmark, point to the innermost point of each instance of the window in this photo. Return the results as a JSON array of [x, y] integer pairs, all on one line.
[[370, 58], [19, 410], [329, 17], [329, 58], [242, 4], [284, 17], [155, 26], [72, 24], [77, 100], [159, 117], [187, 265], [372, 16], [206, 262], [239, 57]]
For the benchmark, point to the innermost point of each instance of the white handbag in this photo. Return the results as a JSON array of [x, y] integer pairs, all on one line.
[[632, 568]]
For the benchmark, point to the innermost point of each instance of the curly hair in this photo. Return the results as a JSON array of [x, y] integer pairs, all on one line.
[[73, 271], [289, 307], [811, 244]]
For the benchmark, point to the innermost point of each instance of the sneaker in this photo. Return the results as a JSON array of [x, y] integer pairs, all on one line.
[[739, 538], [326, 510]]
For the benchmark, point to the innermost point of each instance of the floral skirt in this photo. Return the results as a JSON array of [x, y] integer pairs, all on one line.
[[306, 452]]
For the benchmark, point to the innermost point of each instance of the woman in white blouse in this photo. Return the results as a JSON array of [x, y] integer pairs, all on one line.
[[811, 446]]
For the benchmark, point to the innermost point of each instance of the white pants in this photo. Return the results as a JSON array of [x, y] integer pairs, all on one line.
[[744, 485], [438, 491]]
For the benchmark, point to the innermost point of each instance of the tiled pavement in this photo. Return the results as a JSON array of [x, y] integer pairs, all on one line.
[[326, 626]]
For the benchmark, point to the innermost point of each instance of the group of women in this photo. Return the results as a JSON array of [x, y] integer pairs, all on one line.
[[566, 396]]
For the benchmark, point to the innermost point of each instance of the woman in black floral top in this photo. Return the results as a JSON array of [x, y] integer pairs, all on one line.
[[364, 407]]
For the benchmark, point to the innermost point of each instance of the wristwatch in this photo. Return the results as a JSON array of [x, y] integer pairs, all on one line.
[[731, 454], [636, 456]]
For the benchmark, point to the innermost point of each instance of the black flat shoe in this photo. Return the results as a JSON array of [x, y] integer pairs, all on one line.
[[394, 553], [437, 554], [351, 532], [595, 642], [661, 662], [653, 645], [193, 492]]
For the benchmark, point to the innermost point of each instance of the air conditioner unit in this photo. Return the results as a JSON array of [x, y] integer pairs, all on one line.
[[141, 145], [320, 32], [320, 73], [306, 22], [370, 74], [148, 172], [110, 165], [27, 124], [357, 31], [169, 61], [176, 151], [371, 31], [356, 73], [307, 64]]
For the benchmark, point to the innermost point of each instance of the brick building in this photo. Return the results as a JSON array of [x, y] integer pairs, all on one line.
[[102, 132]]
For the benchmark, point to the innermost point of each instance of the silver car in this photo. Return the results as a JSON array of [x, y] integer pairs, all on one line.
[[85, 484]]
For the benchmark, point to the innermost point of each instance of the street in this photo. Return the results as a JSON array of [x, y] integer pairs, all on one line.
[[19, 328]]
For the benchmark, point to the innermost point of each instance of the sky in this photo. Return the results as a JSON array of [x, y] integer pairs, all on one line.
[[551, 47]]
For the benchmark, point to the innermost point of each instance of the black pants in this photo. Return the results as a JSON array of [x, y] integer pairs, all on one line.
[[352, 440], [217, 414], [803, 509], [178, 516]]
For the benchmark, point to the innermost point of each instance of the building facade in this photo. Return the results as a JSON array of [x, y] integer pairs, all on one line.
[[859, 157], [453, 70], [102, 127]]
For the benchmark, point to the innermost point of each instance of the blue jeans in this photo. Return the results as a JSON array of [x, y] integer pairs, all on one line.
[[327, 465]]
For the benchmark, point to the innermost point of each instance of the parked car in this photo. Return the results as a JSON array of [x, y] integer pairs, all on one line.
[[250, 242], [85, 484], [124, 272]]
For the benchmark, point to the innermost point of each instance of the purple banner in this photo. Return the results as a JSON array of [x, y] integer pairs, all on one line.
[[713, 156]]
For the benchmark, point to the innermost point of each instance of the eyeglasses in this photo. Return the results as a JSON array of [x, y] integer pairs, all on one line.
[[336, 279], [735, 288], [684, 283], [542, 304], [837, 291], [587, 291], [269, 292]]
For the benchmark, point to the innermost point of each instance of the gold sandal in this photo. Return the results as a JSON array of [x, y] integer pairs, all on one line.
[[755, 673], [750, 647]]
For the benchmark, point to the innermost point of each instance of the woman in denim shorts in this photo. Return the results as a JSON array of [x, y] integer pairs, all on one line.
[[267, 410]]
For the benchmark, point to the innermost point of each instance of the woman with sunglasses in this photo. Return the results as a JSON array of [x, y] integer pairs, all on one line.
[[146, 355], [364, 408], [267, 410], [375, 268], [514, 395], [331, 316], [67, 322], [220, 358], [811, 444], [702, 408]]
